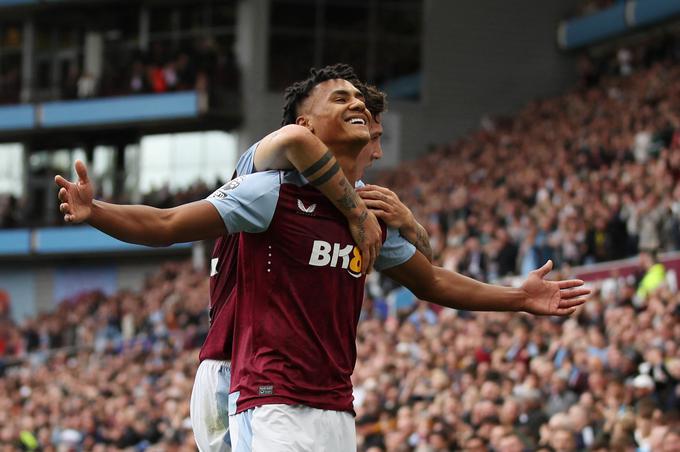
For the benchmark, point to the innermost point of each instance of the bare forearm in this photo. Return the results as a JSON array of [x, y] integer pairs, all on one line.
[[418, 236], [454, 290], [142, 225]]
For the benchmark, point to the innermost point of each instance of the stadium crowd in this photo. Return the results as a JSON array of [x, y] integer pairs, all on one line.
[[201, 66], [599, 179], [115, 372], [105, 372]]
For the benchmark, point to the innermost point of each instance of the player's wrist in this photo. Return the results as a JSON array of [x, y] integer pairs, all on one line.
[[409, 226], [359, 213]]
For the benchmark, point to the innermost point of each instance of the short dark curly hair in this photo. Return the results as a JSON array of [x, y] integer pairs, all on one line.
[[375, 100], [296, 93]]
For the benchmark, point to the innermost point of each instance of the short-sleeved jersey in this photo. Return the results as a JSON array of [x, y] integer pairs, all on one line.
[[218, 343], [223, 262], [298, 292]]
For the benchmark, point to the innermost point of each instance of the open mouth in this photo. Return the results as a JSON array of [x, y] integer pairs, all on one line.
[[357, 121]]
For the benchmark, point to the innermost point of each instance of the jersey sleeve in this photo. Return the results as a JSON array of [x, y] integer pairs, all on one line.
[[247, 203], [395, 251], [246, 164]]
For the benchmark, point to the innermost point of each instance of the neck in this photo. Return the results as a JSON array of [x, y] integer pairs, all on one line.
[[349, 167]]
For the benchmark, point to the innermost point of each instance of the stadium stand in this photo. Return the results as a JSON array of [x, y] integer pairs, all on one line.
[[583, 178], [497, 202]]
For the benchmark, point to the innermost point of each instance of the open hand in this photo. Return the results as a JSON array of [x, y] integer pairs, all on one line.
[[76, 197], [545, 297]]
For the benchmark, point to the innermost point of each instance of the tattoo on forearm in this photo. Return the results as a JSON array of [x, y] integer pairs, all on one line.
[[362, 228], [348, 200], [325, 177], [318, 164], [422, 242]]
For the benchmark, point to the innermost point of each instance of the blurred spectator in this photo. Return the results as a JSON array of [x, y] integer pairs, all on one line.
[[653, 275]]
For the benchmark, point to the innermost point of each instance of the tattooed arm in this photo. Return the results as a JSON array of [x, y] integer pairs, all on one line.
[[387, 206], [298, 147]]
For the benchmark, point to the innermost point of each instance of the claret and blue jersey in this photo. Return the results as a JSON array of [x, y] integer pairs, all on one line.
[[286, 299]]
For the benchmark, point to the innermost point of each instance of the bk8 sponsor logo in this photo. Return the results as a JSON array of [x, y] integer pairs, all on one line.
[[347, 257]]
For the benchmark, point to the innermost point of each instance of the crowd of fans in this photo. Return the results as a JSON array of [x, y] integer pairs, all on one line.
[[599, 179], [590, 176], [115, 372], [162, 69], [201, 66], [105, 372]]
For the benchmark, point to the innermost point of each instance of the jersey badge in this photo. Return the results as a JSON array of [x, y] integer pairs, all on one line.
[[305, 210]]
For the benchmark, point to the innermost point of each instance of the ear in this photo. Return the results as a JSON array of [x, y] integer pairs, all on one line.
[[304, 122]]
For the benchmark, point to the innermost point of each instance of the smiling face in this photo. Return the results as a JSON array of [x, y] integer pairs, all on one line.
[[335, 112]]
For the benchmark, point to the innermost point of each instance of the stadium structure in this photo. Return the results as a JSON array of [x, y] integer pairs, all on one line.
[[557, 122]]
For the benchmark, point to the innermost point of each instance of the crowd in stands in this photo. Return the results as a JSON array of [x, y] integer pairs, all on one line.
[[589, 176], [202, 66], [105, 372], [115, 373]]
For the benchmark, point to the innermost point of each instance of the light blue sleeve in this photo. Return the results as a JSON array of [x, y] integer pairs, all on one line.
[[247, 203], [246, 164], [395, 251]]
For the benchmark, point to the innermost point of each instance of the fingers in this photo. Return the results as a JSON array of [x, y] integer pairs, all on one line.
[[65, 209], [81, 169], [378, 188], [63, 195], [375, 204], [570, 283], [60, 181], [571, 293], [376, 194], [565, 312], [543, 271], [572, 302]]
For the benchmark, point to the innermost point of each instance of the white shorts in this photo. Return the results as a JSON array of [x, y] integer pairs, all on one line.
[[292, 428], [208, 407]]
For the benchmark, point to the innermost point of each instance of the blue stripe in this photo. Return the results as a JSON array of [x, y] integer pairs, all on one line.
[[596, 27], [222, 396], [120, 109], [649, 12], [15, 241], [17, 117], [244, 443]]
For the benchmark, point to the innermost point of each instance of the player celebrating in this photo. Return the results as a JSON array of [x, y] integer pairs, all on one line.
[[296, 315]]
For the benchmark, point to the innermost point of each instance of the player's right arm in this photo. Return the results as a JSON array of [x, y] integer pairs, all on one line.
[[143, 225], [536, 295], [295, 146]]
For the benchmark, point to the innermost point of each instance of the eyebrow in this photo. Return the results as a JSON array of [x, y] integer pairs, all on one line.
[[344, 92]]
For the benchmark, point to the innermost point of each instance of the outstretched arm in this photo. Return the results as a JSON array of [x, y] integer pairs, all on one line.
[[295, 146], [387, 206], [537, 295], [138, 224]]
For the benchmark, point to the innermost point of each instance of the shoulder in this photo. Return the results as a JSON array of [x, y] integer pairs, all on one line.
[[250, 185]]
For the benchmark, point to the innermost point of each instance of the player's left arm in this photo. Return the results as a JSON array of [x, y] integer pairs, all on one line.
[[536, 295], [387, 206]]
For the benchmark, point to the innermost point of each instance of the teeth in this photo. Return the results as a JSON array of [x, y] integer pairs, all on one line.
[[357, 121]]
